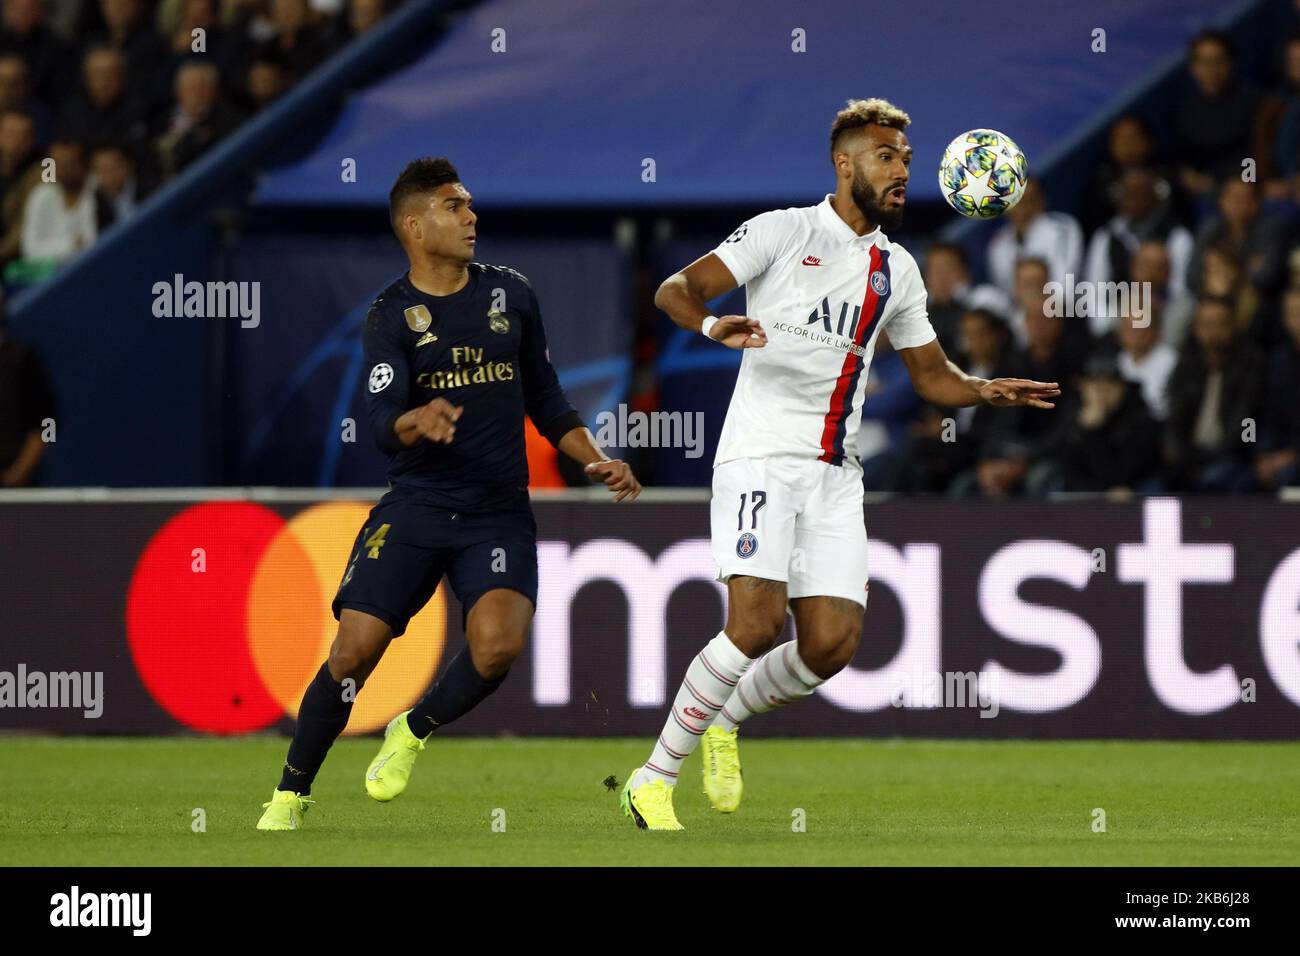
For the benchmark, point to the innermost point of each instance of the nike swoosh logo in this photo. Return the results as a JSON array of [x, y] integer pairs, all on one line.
[[374, 773]]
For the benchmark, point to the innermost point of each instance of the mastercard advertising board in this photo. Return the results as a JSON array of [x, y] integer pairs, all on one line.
[[1157, 619], [252, 590]]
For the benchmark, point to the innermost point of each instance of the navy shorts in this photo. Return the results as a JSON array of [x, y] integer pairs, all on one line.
[[407, 545]]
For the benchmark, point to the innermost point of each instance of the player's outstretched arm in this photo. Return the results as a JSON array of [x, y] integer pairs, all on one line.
[[684, 296], [939, 381], [1019, 391], [580, 445]]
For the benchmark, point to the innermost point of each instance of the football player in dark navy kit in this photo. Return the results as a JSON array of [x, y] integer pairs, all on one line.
[[455, 357]]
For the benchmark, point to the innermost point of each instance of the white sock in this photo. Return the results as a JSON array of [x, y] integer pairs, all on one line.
[[780, 677], [710, 680]]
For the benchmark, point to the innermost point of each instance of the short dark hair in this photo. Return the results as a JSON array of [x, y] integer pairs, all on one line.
[[1214, 36], [989, 318], [953, 249], [1038, 262], [1131, 118], [267, 54], [64, 139], [101, 47], [112, 146], [1216, 300], [1223, 249], [872, 112], [419, 177], [193, 61]]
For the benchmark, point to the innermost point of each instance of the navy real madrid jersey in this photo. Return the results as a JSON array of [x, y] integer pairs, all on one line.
[[482, 348]]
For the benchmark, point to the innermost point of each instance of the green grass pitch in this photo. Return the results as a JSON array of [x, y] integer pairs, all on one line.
[[84, 801]]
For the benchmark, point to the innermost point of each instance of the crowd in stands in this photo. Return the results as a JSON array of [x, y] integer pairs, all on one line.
[[122, 95], [1194, 388], [101, 102]]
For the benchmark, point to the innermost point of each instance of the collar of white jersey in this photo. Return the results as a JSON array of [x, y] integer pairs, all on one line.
[[839, 228]]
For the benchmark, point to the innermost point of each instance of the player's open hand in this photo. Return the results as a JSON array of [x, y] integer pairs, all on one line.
[[617, 476], [436, 421], [738, 332], [1019, 391]]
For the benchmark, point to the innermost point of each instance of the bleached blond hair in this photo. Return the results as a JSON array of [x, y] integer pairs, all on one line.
[[872, 112]]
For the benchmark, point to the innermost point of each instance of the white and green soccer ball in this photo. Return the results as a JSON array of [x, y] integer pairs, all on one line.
[[983, 173]]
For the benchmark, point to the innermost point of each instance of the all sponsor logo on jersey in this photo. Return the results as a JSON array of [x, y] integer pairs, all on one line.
[[843, 325], [747, 546]]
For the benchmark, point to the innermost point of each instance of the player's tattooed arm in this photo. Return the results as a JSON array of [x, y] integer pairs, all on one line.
[[580, 445], [434, 421], [684, 296], [939, 381]]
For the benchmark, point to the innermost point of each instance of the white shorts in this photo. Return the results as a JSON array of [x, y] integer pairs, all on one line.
[[791, 519]]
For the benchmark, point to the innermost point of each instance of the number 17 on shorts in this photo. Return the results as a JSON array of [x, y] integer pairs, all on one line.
[[768, 511]]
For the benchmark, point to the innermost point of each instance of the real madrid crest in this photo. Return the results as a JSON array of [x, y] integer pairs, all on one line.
[[418, 318], [498, 322]]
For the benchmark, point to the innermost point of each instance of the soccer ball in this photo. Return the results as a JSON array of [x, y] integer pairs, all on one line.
[[983, 173]]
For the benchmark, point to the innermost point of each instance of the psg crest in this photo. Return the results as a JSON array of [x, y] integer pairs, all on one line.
[[879, 282], [747, 545]]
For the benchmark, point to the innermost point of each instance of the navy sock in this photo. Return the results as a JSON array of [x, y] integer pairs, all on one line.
[[457, 692], [321, 718]]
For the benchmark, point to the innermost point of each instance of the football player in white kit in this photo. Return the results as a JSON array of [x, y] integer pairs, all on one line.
[[821, 283]]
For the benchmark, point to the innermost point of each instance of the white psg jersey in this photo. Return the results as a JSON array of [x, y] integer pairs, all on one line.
[[822, 294]]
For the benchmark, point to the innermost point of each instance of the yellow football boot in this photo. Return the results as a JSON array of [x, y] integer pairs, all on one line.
[[388, 773], [284, 811], [650, 804], [723, 781]]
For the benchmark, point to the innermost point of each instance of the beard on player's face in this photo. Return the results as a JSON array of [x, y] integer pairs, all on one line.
[[868, 202]]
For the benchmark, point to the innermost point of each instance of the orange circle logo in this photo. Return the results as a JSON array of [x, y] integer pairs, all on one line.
[[228, 617]]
